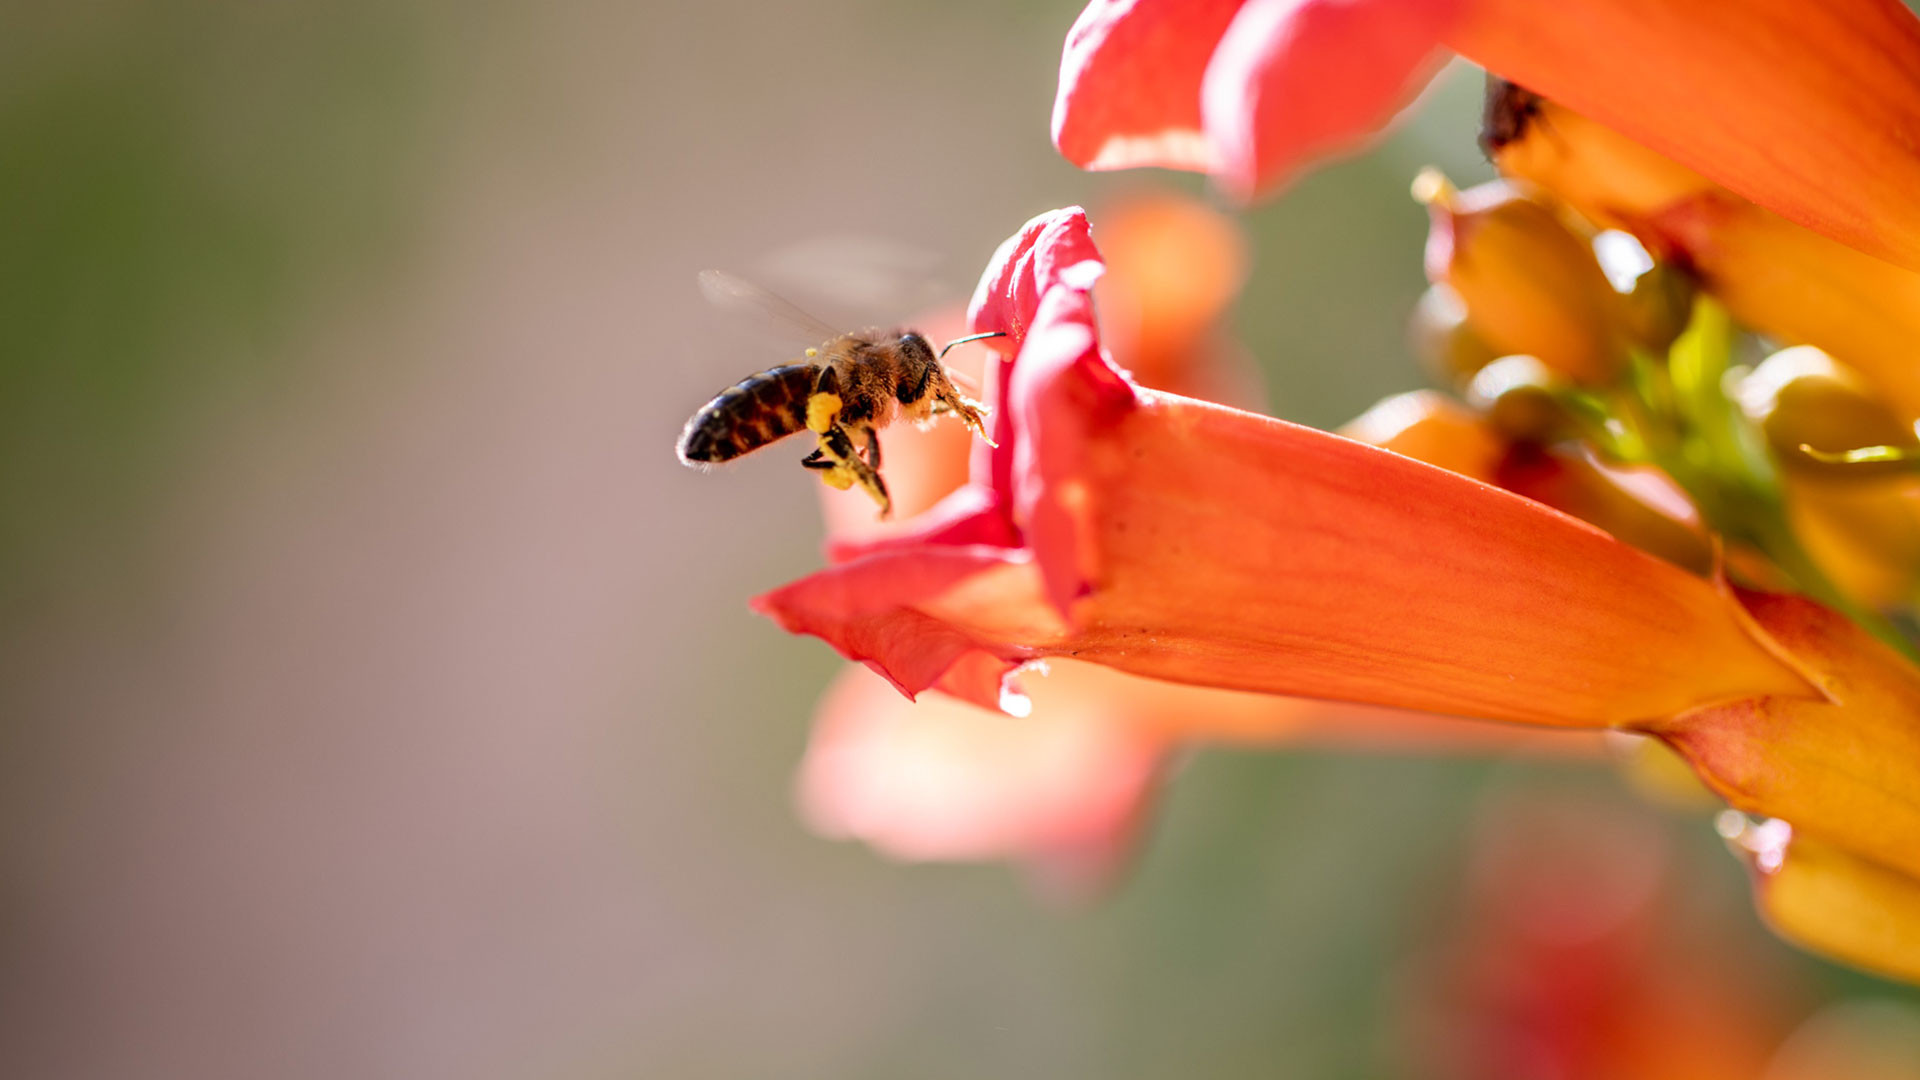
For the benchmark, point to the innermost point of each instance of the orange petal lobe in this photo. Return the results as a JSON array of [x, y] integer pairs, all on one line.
[[1245, 552], [1846, 769]]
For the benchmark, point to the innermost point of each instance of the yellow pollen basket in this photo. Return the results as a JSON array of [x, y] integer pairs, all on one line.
[[839, 477], [822, 411]]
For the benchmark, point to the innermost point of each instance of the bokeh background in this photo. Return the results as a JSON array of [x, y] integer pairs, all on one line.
[[378, 695]]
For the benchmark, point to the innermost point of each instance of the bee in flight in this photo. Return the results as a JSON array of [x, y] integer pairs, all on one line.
[[847, 388]]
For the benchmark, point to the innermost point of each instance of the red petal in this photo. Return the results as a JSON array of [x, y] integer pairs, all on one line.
[[1130, 83], [867, 609], [1055, 248], [1062, 392], [1295, 80]]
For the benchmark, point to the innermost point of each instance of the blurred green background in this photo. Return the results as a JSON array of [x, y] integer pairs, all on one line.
[[378, 695]]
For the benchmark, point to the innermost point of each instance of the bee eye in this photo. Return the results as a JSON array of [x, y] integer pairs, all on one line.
[[916, 346]]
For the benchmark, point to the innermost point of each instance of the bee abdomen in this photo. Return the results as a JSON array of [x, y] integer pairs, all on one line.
[[748, 415]]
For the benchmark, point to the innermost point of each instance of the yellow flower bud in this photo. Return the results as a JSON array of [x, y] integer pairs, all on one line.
[[1860, 522], [1446, 343], [1659, 307], [1530, 284], [1433, 428], [1864, 536], [1519, 396], [1801, 288], [1828, 900], [1801, 397]]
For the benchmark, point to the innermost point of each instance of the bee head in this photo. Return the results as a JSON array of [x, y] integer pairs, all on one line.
[[917, 366], [916, 350]]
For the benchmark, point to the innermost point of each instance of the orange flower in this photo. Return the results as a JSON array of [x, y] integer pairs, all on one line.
[[1812, 110], [1065, 786], [1184, 540], [1194, 543]]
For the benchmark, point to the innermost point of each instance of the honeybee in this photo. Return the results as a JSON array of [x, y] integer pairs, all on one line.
[[846, 389]]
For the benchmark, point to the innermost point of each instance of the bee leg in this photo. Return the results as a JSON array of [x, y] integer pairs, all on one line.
[[971, 413], [833, 472], [873, 449], [877, 488], [848, 468]]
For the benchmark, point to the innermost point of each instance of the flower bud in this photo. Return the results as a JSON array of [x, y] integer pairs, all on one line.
[[1659, 307], [1802, 398], [1800, 287], [1638, 504], [1658, 774], [1860, 521], [1865, 536], [1829, 900], [1447, 345], [1433, 428], [1521, 398], [1529, 283]]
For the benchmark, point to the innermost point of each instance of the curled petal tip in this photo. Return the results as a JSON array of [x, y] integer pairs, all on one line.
[[1055, 248], [1130, 76], [1296, 80]]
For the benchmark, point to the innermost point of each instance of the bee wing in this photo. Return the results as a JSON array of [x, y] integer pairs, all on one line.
[[730, 293]]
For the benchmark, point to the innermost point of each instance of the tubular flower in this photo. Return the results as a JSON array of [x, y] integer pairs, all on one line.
[[1189, 542], [1065, 787], [1811, 110]]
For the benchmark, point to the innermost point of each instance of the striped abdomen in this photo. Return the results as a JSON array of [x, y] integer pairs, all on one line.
[[748, 415]]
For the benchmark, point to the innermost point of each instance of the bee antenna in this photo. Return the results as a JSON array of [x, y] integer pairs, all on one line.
[[964, 340]]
